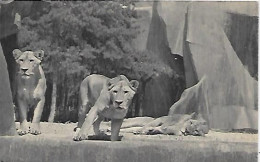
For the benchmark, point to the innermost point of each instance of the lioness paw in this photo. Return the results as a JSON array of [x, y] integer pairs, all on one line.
[[80, 136], [22, 132], [35, 132], [35, 129], [24, 129]]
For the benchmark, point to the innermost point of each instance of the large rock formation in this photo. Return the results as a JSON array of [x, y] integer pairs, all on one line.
[[215, 39], [231, 92], [7, 126]]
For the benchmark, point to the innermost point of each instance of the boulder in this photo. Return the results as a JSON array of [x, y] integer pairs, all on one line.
[[7, 126], [230, 95]]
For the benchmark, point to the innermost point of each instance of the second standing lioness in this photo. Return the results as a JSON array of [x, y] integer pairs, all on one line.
[[106, 98]]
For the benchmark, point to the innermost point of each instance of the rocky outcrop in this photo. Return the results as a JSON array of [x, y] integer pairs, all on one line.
[[9, 12], [231, 93], [242, 32], [7, 126]]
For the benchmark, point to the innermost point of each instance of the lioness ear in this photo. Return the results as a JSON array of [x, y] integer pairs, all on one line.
[[122, 77], [110, 84], [39, 54], [17, 53], [134, 84]]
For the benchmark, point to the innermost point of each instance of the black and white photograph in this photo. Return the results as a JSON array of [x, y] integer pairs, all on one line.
[[129, 81]]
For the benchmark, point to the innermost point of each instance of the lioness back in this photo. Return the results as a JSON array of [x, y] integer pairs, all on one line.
[[91, 87]]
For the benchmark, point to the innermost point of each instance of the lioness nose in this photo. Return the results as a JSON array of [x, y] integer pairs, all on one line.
[[118, 102], [24, 69]]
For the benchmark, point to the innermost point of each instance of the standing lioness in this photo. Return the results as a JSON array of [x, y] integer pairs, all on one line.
[[109, 98], [30, 90]]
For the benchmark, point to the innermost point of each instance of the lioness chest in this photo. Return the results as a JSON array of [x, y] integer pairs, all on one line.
[[113, 113], [26, 91], [95, 88], [29, 89]]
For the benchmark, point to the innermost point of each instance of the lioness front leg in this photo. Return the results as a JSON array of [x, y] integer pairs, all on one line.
[[24, 128], [35, 127], [115, 129], [82, 134]]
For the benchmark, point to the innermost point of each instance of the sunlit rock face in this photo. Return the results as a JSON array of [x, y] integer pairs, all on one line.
[[217, 40], [211, 47], [7, 126]]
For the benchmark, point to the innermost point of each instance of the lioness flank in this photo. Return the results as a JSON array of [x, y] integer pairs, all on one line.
[[30, 90], [106, 98]]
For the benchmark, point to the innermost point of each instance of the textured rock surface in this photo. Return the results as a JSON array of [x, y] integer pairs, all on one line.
[[7, 126], [231, 91], [7, 16], [162, 91], [211, 44]]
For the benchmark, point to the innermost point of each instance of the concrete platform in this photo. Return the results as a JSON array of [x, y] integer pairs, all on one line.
[[55, 144]]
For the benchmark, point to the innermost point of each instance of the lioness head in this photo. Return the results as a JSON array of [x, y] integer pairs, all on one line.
[[121, 91], [27, 61], [196, 127]]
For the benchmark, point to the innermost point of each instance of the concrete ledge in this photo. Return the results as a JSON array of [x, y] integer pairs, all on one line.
[[51, 147]]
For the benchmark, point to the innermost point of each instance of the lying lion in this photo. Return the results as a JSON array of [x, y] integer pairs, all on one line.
[[177, 124], [30, 90], [106, 98]]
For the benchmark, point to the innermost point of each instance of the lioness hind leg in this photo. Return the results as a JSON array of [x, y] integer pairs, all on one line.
[[85, 105], [35, 127], [115, 129], [96, 125], [24, 128], [83, 110]]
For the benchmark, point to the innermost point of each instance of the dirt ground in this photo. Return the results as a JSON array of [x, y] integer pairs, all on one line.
[[56, 144], [65, 132]]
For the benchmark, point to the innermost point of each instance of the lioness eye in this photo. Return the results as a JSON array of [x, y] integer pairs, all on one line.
[[125, 91], [115, 91], [31, 60], [21, 60]]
